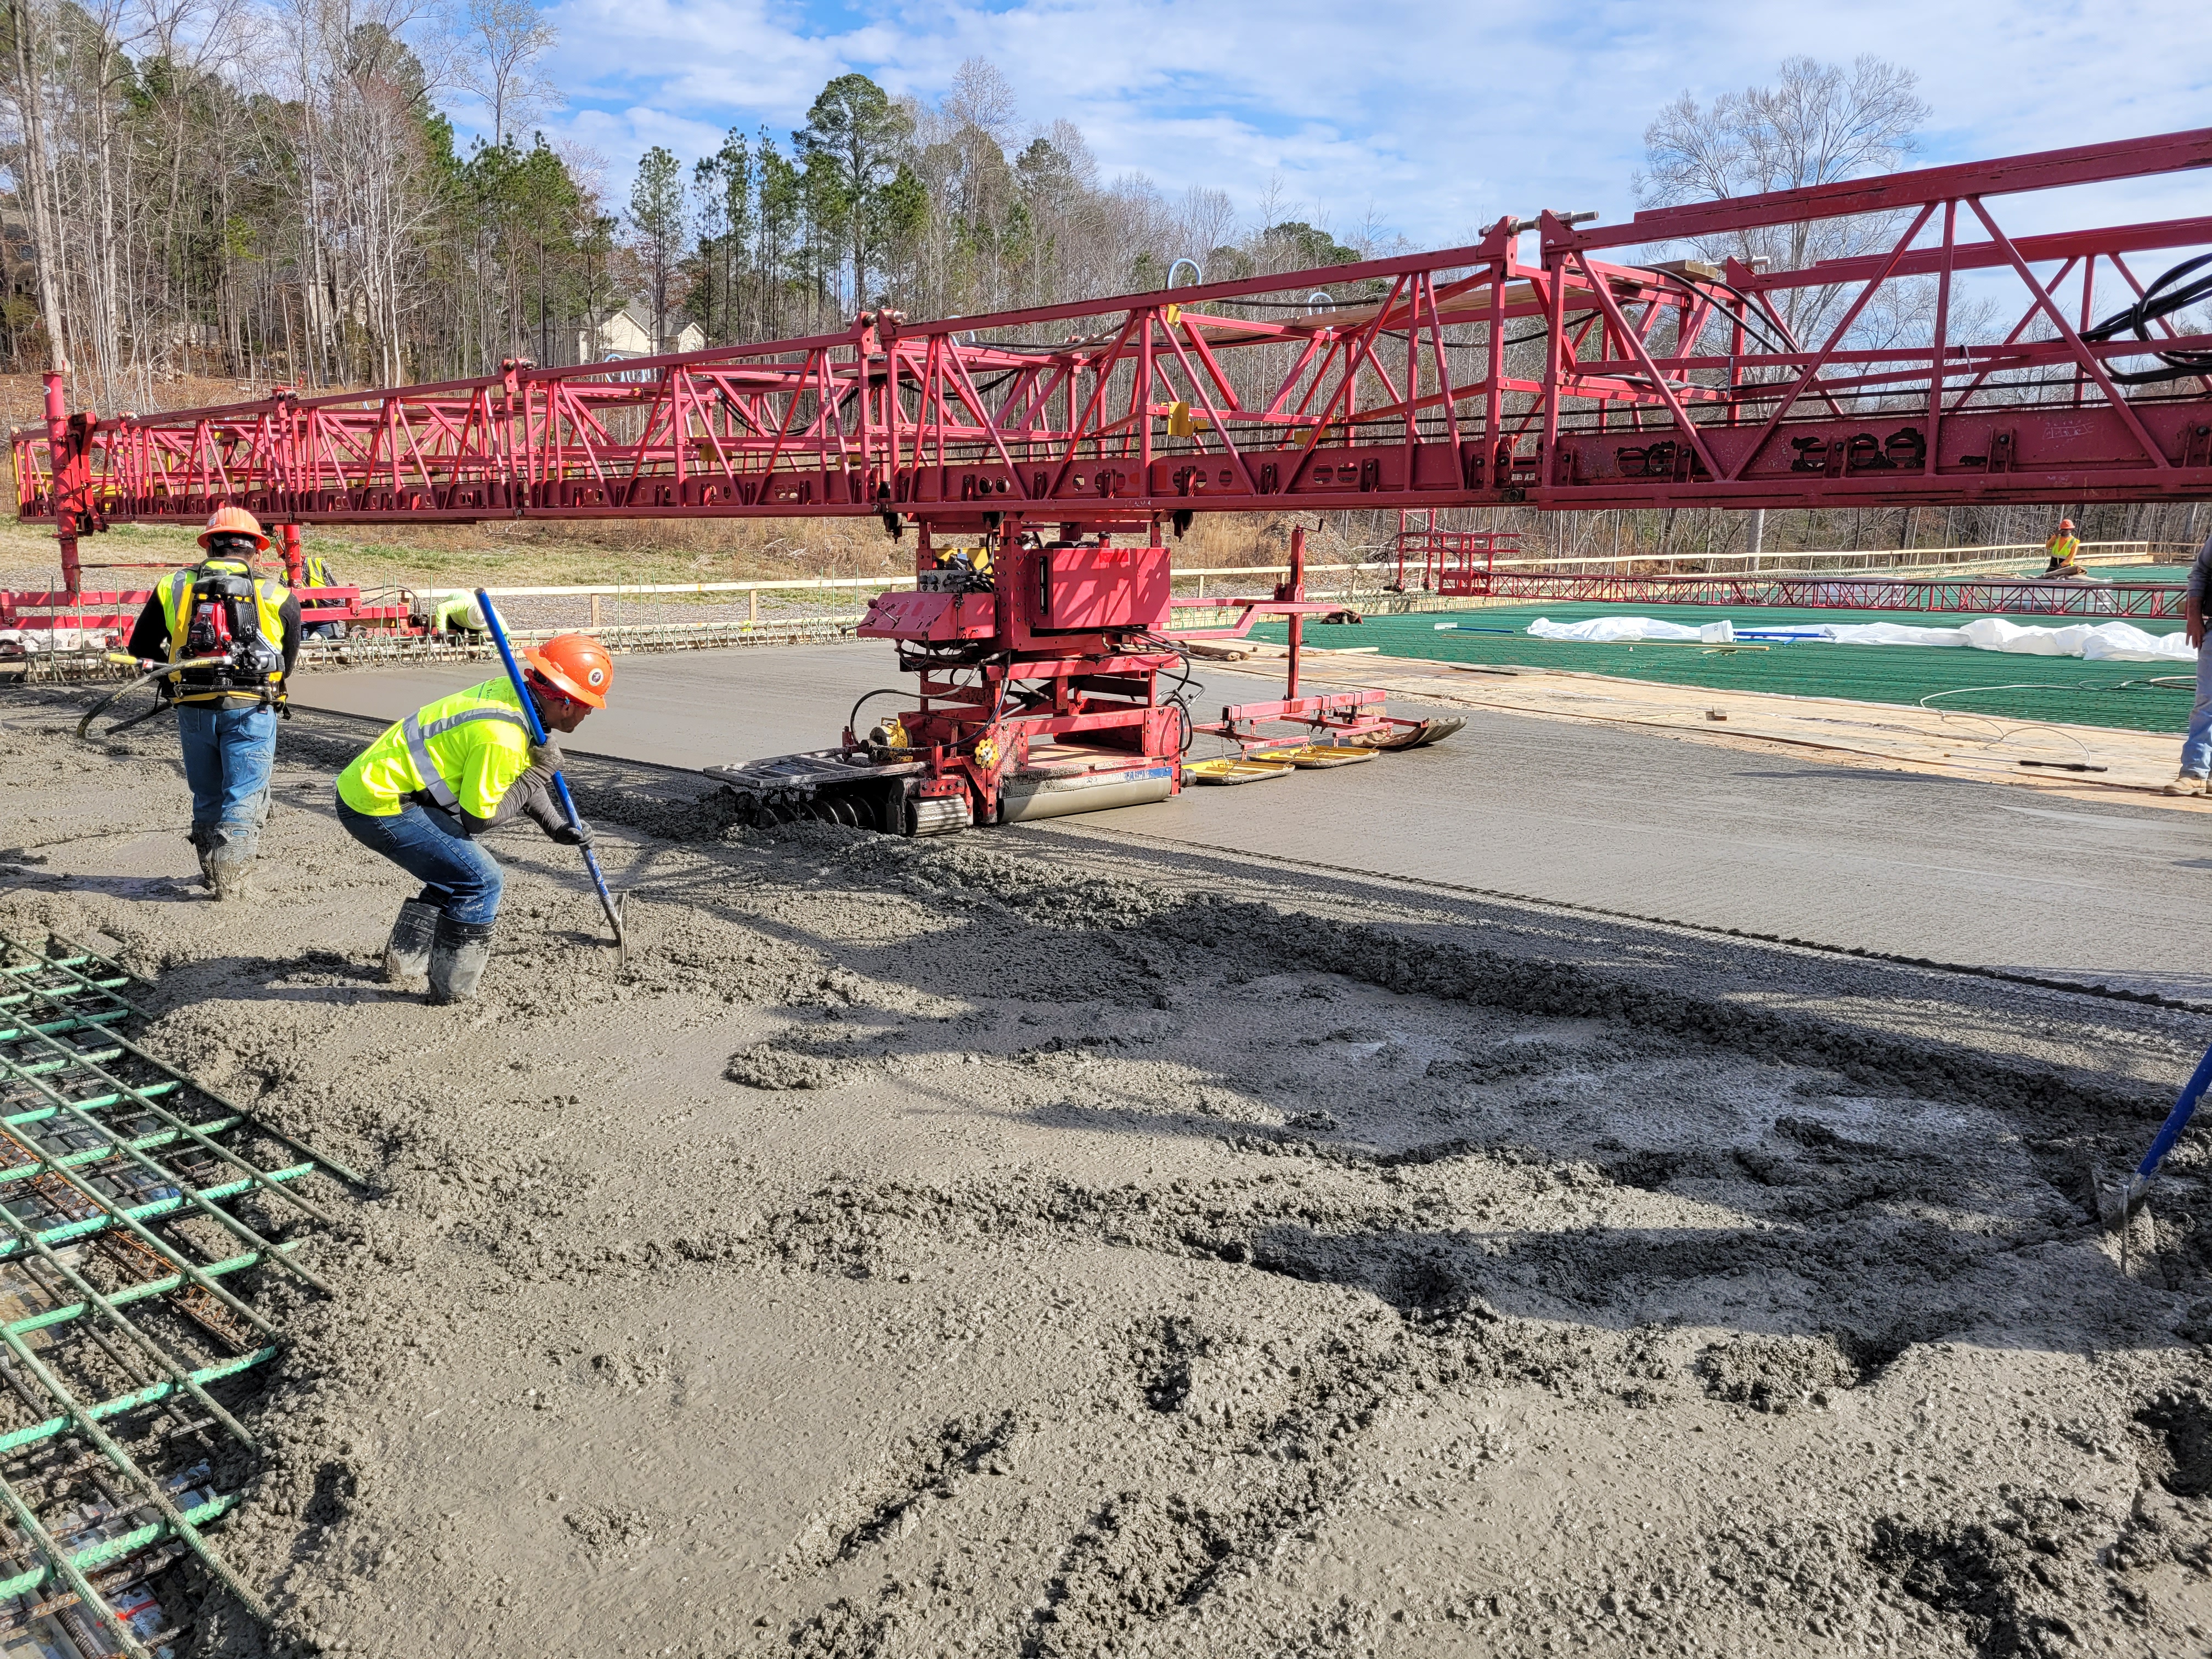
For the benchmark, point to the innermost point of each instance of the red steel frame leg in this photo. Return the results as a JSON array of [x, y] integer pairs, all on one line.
[[295, 564], [65, 518]]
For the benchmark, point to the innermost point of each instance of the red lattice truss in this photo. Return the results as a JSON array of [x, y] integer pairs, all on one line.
[[1653, 386]]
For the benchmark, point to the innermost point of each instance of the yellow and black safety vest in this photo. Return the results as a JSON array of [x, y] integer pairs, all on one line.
[[463, 752]]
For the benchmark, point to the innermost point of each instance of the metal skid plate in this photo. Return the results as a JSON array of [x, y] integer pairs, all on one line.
[[1313, 757], [1421, 736]]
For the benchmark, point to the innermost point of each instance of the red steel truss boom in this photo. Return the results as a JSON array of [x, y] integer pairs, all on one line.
[[1469, 377]]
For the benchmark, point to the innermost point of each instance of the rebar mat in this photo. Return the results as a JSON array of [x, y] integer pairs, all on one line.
[[141, 1214]]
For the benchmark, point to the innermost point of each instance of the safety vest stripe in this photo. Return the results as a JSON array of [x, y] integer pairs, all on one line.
[[452, 720], [425, 768], [418, 737]]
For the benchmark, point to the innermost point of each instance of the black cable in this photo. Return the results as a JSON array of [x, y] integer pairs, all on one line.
[[852, 719], [2137, 319]]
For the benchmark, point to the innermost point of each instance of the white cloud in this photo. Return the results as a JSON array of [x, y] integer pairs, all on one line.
[[1442, 117]]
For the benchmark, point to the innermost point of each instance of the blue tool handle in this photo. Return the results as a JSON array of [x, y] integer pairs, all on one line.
[[2176, 1120], [536, 729]]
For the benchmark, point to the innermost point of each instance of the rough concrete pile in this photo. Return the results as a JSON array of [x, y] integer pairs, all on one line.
[[1006, 1247]]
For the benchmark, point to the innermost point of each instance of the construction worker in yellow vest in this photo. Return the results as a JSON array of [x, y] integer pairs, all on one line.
[[424, 791], [2063, 547], [315, 572], [222, 608]]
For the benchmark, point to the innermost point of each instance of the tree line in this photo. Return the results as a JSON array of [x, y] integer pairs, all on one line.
[[271, 191]]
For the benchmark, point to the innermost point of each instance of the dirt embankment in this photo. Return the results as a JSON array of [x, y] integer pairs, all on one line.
[[942, 1247]]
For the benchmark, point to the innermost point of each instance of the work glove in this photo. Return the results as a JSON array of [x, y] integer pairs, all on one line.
[[546, 756], [576, 834]]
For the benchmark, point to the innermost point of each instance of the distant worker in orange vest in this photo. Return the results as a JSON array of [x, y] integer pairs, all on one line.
[[2063, 548]]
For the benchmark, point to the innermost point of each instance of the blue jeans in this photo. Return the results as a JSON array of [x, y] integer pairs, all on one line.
[[2197, 747], [227, 756], [458, 876]]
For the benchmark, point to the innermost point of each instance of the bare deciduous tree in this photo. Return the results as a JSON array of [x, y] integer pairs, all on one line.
[[1816, 124], [501, 44]]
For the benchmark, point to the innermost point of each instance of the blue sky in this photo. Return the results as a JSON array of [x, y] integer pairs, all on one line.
[[1437, 118]]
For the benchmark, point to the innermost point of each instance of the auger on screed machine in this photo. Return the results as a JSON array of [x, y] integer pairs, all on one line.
[[1050, 683]]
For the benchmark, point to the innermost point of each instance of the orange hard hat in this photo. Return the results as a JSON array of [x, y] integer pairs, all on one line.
[[233, 521], [2066, 524], [576, 664]]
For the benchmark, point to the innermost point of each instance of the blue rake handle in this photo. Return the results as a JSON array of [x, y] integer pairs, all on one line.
[[2170, 1131], [537, 728]]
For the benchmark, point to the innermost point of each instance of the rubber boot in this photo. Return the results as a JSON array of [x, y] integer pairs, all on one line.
[[407, 953], [202, 837], [458, 955], [230, 862]]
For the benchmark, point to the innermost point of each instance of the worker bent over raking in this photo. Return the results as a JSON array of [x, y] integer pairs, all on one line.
[[424, 791], [226, 714]]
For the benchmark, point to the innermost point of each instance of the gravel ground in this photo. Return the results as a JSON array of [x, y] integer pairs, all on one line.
[[936, 1248]]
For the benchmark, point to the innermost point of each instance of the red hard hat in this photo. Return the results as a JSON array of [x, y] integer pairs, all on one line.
[[2066, 524], [576, 664], [233, 521]]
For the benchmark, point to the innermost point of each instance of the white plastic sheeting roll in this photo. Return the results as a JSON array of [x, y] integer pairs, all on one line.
[[1615, 630], [2111, 641]]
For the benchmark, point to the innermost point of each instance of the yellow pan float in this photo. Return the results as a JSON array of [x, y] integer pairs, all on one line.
[[1313, 756], [1234, 768]]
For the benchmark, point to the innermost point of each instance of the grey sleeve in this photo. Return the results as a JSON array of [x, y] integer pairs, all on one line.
[[530, 796], [2201, 572]]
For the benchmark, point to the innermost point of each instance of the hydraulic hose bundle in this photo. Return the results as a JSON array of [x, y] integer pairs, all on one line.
[[2169, 294]]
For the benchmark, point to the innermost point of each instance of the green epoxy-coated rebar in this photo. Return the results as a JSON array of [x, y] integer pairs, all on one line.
[[17, 1033], [301, 1147], [147, 1142], [140, 1290], [261, 1127], [41, 1068], [14, 997], [89, 1426], [151, 1394], [176, 1183], [60, 1085], [59, 1560], [139, 1097], [152, 1210], [145, 1235], [180, 1373], [85, 980], [115, 1548], [86, 953]]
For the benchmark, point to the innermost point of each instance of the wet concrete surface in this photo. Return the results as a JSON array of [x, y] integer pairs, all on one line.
[[1900, 863]]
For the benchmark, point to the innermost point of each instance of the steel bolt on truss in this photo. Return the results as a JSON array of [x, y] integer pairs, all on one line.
[[108, 1156], [1644, 383]]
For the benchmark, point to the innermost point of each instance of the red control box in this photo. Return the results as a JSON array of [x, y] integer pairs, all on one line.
[[1090, 588]]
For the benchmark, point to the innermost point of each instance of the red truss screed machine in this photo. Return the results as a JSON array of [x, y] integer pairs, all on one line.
[[1050, 683], [1551, 365]]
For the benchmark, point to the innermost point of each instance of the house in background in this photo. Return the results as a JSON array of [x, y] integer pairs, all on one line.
[[628, 333]]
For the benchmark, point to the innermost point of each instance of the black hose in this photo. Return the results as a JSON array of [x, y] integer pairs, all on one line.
[[2137, 319], [164, 672], [852, 721]]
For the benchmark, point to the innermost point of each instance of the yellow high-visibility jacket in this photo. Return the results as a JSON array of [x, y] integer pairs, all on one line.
[[468, 753]]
